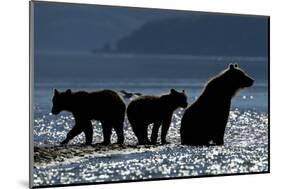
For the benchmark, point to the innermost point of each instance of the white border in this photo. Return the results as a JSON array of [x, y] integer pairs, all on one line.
[[14, 103]]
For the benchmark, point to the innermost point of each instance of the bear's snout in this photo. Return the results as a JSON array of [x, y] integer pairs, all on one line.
[[184, 105], [251, 82]]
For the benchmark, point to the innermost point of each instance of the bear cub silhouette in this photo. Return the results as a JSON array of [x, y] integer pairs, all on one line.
[[205, 120], [105, 106], [145, 110]]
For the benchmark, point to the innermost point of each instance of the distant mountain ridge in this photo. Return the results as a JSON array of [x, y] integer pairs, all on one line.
[[68, 27], [218, 35], [71, 28]]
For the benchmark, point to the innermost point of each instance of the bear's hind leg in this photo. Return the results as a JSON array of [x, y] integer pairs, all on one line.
[[144, 137], [137, 132], [120, 134], [140, 131], [154, 134], [106, 129], [88, 130], [218, 140], [195, 139], [218, 135]]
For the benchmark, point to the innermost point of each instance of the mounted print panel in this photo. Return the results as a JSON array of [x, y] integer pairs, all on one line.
[[122, 94]]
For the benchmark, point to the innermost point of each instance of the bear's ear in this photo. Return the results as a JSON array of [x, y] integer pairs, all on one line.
[[236, 65], [56, 92], [231, 66], [183, 91], [173, 91], [68, 91]]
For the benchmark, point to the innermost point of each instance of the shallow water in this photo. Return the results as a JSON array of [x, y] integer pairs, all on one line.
[[245, 150]]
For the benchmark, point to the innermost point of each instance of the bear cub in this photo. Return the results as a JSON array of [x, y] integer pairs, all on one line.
[[146, 110], [105, 106], [205, 120]]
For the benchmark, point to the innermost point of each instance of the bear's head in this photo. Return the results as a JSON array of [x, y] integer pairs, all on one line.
[[179, 98], [60, 101], [235, 78]]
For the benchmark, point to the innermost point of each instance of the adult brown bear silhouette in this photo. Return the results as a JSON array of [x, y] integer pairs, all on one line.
[[145, 110], [105, 106], [205, 120]]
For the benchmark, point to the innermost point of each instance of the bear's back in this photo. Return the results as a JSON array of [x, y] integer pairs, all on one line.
[[98, 103], [97, 97], [144, 104], [145, 108]]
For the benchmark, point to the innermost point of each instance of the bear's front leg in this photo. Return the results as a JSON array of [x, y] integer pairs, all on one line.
[[165, 127], [76, 130]]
